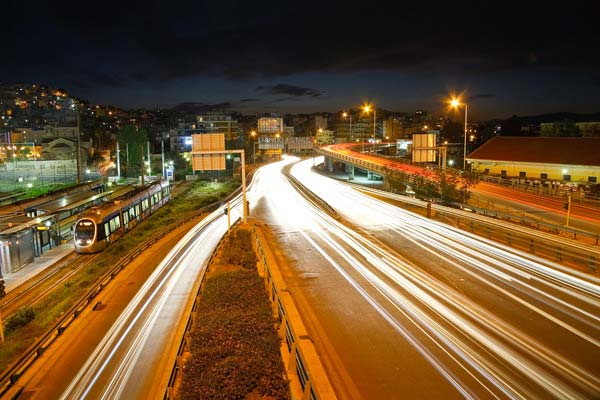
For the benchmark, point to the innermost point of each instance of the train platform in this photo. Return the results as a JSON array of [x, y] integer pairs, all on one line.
[[41, 263]]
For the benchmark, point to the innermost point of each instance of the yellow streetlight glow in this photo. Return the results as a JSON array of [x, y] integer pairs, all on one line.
[[367, 108], [253, 133], [455, 102], [344, 114]]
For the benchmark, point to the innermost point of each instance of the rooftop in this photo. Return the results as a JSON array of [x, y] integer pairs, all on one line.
[[546, 150]]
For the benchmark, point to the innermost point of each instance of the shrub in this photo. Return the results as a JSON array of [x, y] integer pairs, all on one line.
[[20, 318], [235, 350]]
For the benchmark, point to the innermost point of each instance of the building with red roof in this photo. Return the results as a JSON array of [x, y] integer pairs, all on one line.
[[575, 159]]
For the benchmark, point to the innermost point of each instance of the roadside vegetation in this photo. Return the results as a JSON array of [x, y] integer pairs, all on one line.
[[24, 327], [233, 345]]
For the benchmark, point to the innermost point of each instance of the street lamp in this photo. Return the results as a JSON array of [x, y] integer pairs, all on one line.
[[253, 134], [455, 103], [346, 115], [367, 109]]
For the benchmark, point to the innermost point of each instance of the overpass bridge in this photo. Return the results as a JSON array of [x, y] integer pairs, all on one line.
[[376, 167]]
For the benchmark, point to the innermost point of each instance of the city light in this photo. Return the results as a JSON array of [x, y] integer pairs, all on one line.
[[455, 102]]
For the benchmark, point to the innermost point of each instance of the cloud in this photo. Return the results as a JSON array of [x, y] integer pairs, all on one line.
[[291, 90], [113, 49], [247, 100], [482, 96], [94, 80], [200, 107]]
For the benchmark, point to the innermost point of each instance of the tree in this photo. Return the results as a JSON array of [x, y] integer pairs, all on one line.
[[135, 139], [181, 166], [511, 127], [453, 131], [565, 128]]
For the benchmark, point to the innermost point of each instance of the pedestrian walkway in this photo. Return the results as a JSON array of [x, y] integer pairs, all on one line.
[[39, 264]]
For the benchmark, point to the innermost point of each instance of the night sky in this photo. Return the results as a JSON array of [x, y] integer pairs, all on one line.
[[507, 58]]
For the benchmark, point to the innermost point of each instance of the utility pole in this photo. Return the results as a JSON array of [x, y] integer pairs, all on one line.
[[118, 161], [162, 151], [568, 207], [142, 161], [148, 147], [78, 148], [245, 207], [228, 218], [127, 158]]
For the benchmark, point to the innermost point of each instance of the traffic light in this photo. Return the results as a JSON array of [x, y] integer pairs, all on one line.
[[225, 211], [566, 206], [2, 289]]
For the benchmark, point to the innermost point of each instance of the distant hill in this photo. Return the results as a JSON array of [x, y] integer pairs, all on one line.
[[192, 107], [556, 117]]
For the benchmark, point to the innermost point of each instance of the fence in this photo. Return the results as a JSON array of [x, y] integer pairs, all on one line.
[[22, 175]]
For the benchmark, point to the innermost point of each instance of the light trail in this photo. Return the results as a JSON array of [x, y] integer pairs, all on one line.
[[126, 350], [463, 328]]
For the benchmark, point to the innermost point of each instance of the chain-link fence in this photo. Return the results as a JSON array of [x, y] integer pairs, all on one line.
[[24, 175]]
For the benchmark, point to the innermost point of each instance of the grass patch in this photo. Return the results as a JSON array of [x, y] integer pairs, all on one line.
[[234, 346], [55, 304]]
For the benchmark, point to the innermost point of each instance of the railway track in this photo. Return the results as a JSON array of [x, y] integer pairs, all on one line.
[[41, 285]]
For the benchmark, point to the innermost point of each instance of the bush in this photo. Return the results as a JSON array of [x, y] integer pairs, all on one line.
[[235, 350], [19, 319], [239, 250]]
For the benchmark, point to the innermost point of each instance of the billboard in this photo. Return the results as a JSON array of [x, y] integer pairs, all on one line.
[[424, 147], [208, 142]]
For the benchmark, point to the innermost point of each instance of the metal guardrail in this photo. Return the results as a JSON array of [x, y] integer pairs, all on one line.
[[382, 170], [492, 224], [20, 366], [558, 192], [307, 193], [354, 160], [308, 379]]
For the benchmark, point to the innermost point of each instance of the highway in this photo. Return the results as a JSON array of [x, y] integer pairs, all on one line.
[[398, 307], [404, 307], [548, 209], [125, 347], [131, 360]]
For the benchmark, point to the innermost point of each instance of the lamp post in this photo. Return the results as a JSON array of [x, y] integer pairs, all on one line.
[[253, 135], [455, 103], [367, 109], [347, 115]]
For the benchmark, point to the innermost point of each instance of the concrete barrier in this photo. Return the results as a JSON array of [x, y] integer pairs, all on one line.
[[308, 379]]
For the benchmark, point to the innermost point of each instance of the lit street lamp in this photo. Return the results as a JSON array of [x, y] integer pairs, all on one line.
[[253, 134], [455, 103], [347, 115], [367, 109]]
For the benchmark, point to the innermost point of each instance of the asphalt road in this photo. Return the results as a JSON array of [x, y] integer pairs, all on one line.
[[404, 307], [125, 348], [548, 209]]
